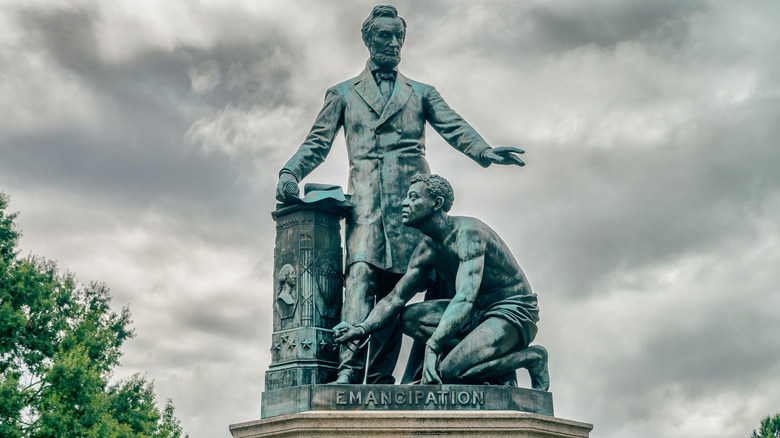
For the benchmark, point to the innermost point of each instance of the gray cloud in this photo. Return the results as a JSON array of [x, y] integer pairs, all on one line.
[[143, 144]]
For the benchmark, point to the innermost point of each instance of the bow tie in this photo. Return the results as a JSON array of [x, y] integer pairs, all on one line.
[[379, 76]]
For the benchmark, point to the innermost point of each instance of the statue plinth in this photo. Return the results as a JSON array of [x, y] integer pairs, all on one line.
[[402, 424], [405, 398], [308, 274]]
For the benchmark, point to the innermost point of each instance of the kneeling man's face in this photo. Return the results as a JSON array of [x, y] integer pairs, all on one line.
[[418, 205]]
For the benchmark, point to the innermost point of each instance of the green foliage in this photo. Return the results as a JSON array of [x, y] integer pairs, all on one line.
[[59, 343], [170, 426], [770, 427]]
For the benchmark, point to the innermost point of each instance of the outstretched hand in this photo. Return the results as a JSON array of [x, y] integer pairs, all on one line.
[[345, 332], [504, 155], [430, 371]]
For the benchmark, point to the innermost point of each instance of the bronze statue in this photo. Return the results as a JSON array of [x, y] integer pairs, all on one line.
[[482, 334], [383, 114]]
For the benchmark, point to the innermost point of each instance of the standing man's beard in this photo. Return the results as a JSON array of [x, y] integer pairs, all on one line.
[[386, 61]]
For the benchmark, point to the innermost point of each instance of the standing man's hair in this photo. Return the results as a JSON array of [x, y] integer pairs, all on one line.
[[379, 11], [436, 185]]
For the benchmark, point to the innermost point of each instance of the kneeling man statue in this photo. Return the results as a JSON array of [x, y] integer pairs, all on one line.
[[482, 335]]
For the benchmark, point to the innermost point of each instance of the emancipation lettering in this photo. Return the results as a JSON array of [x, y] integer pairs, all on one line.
[[440, 398]]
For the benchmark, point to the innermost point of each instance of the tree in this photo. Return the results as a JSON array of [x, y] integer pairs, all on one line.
[[170, 426], [770, 427], [59, 343]]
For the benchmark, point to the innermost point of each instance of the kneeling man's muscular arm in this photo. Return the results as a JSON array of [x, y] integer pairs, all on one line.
[[471, 246], [390, 306]]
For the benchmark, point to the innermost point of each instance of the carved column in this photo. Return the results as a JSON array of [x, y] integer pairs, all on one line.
[[308, 274]]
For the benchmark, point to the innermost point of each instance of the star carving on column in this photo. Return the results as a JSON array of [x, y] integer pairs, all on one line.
[[276, 347], [292, 344], [285, 338], [323, 343], [306, 343]]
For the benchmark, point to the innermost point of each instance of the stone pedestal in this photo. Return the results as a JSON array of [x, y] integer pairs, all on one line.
[[405, 398], [357, 424], [308, 274]]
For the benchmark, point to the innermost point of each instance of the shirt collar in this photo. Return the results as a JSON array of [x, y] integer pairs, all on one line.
[[372, 67]]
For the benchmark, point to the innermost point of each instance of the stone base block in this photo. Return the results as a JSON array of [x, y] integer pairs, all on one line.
[[404, 398], [397, 424], [280, 377]]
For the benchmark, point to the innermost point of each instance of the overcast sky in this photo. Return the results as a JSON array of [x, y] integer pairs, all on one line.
[[141, 141]]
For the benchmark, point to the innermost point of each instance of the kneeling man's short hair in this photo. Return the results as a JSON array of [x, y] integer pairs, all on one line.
[[437, 186]]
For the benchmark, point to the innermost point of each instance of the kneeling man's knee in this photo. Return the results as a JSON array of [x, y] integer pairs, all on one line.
[[452, 370]]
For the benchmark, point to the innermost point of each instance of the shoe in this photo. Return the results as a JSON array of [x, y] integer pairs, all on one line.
[[343, 379]]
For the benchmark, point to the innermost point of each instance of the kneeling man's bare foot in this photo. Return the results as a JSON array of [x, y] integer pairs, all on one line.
[[537, 368]]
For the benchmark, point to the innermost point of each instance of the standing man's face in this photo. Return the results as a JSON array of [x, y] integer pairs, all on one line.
[[385, 42]]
